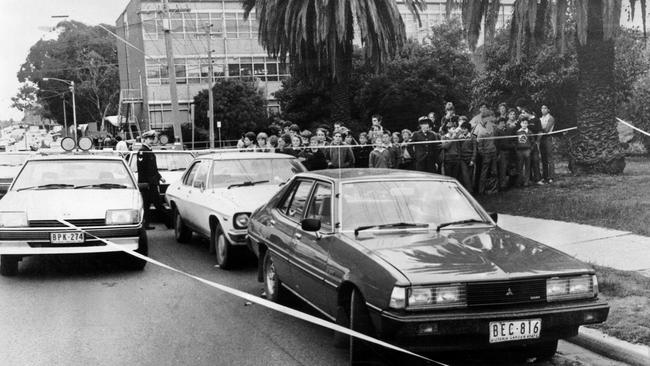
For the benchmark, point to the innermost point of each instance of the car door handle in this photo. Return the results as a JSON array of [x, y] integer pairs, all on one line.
[[298, 235], [271, 222]]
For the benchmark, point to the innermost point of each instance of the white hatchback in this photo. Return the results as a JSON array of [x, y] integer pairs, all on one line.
[[97, 194], [218, 192]]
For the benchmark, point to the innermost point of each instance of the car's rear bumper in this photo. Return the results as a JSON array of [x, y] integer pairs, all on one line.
[[37, 242], [470, 329]]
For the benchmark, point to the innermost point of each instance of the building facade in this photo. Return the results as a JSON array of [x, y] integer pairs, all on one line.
[[144, 80]]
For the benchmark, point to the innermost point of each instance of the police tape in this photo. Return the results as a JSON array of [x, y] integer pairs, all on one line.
[[634, 128], [257, 300], [343, 146]]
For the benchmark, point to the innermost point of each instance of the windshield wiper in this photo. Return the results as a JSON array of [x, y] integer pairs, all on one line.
[[47, 186], [247, 184], [390, 226], [468, 221], [102, 186]]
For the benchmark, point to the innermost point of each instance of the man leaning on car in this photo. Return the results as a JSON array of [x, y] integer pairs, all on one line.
[[148, 173]]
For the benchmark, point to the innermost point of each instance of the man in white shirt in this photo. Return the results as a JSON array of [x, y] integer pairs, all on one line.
[[546, 145], [121, 144]]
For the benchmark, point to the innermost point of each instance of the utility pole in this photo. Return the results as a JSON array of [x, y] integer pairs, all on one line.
[[178, 136], [74, 112], [65, 121], [210, 84]]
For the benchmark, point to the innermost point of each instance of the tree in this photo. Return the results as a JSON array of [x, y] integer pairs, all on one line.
[[238, 104], [318, 37], [84, 54], [596, 148]]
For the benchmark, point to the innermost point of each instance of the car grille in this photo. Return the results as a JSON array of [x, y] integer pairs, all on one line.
[[78, 222], [506, 292], [44, 235]]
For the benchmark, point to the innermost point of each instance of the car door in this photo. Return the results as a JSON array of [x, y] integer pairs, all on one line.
[[311, 249], [196, 198], [284, 221], [180, 193]]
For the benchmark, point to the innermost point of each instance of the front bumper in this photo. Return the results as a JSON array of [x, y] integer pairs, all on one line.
[[467, 329], [237, 237], [30, 241]]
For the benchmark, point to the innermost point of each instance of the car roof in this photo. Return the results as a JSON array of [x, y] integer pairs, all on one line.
[[73, 156], [157, 151], [353, 174], [235, 155]]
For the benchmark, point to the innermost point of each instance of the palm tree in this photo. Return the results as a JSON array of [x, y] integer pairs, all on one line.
[[318, 35], [595, 148]]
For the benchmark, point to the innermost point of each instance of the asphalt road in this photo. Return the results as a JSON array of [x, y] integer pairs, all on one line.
[[86, 310]]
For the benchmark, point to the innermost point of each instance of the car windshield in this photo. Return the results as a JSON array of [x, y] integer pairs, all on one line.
[[275, 171], [167, 161], [13, 159], [391, 202], [56, 174]]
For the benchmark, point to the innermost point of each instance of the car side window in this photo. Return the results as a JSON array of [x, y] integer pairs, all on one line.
[[296, 200], [320, 206], [201, 177], [191, 172]]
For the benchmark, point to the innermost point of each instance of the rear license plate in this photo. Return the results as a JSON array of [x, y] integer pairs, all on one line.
[[515, 330], [67, 238]]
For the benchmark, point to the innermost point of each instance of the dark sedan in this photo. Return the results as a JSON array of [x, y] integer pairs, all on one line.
[[413, 259]]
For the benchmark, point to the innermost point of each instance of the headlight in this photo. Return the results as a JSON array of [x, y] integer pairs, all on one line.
[[437, 297], [398, 298], [122, 217], [13, 219], [570, 288], [241, 221]]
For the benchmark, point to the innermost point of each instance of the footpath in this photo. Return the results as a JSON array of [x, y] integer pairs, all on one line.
[[621, 250]]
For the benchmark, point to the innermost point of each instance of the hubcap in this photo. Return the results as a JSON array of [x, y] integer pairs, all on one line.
[[270, 280]]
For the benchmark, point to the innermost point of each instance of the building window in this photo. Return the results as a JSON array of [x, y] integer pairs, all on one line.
[[189, 22], [149, 25], [231, 25]]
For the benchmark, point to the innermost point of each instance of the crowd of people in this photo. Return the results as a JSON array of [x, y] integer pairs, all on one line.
[[490, 152]]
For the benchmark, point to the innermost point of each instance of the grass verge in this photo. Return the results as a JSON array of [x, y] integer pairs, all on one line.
[[628, 294], [616, 202]]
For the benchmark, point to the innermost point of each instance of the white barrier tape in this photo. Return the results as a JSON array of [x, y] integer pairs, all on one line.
[[634, 128], [321, 147], [257, 300]]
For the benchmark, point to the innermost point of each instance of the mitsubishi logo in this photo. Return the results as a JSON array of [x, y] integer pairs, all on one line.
[[509, 292]]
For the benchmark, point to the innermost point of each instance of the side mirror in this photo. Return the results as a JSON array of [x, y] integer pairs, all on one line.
[[312, 225], [494, 216], [143, 186]]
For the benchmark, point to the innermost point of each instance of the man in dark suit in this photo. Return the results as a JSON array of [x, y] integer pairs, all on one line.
[[426, 154], [148, 173]]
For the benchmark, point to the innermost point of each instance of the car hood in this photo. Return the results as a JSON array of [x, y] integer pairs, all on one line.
[[70, 203], [481, 254], [247, 199]]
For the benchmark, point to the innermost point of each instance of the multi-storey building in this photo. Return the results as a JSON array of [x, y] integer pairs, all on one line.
[[236, 53]]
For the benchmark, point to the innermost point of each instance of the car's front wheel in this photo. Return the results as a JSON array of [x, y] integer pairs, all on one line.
[[222, 247], [9, 265], [272, 284], [359, 320], [132, 262], [182, 233]]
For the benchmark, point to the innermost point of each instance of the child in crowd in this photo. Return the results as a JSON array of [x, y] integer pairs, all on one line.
[[362, 153], [380, 157], [313, 158], [395, 149], [524, 145], [451, 151], [407, 159], [467, 155], [296, 146]]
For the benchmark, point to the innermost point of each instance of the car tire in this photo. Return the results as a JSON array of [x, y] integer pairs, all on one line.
[[182, 233], [272, 283], [224, 252], [359, 320], [544, 351], [133, 263], [8, 265], [342, 340]]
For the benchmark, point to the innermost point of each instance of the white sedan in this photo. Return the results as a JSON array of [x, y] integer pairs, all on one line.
[[218, 193], [97, 194]]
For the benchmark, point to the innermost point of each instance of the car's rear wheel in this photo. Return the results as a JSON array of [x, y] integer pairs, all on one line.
[[9, 265], [182, 233], [132, 262], [272, 284], [359, 320], [222, 247]]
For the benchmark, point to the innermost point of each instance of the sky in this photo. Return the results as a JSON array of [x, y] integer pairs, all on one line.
[[23, 23]]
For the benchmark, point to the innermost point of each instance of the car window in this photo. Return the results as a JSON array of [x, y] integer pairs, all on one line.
[[201, 175], [189, 177], [167, 161], [320, 206], [294, 206], [73, 173], [275, 171]]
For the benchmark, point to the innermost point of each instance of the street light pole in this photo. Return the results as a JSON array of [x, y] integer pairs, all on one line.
[[74, 111], [210, 93], [65, 121]]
